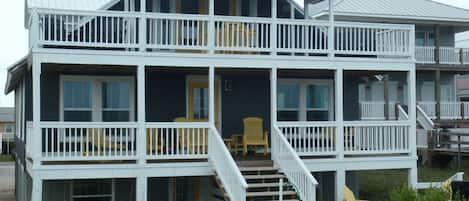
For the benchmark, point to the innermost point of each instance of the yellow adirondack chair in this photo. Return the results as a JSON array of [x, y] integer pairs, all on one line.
[[197, 141], [152, 147], [348, 195], [254, 134], [103, 143]]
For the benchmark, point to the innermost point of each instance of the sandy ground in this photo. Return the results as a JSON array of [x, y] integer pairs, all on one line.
[[7, 181]]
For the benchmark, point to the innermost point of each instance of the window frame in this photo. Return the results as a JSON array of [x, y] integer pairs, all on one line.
[[97, 108], [303, 108], [426, 38]]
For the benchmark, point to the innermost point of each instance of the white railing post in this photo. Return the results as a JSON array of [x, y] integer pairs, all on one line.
[[339, 110], [280, 189], [211, 89], [211, 27], [142, 27], [273, 104], [141, 115], [331, 32], [339, 184], [273, 28]]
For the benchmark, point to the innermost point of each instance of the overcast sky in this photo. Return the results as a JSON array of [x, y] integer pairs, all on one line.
[[14, 39]]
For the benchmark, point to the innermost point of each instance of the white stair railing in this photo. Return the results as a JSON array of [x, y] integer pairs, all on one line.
[[402, 113], [423, 119], [230, 176], [292, 166]]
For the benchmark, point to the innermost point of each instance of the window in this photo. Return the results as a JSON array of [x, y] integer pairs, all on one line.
[[200, 103], [288, 102], [424, 38], [92, 190], [107, 99], [304, 100]]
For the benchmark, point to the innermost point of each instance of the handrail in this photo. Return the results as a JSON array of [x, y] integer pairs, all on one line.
[[292, 166], [233, 181], [402, 113], [424, 120]]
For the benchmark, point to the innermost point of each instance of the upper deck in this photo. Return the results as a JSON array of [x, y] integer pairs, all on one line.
[[120, 31]]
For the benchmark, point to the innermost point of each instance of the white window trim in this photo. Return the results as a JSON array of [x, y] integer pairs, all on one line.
[[302, 96], [96, 94], [426, 39]]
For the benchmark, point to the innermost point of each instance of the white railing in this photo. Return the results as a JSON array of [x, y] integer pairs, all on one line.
[[366, 39], [424, 120], [309, 138], [242, 34], [450, 110], [429, 108], [177, 140], [374, 110], [425, 55], [129, 31], [71, 141], [367, 138], [292, 166], [459, 176], [446, 55], [91, 29], [170, 31], [296, 36], [230, 176]]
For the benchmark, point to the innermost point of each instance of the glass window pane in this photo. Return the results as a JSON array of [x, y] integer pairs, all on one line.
[[287, 96], [92, 187], [116, 95], [318, 97], [77, 116], [200, 103], [430, 40], [420, 39], [317, 115], [287, 116], [113, 116], [77, 94]]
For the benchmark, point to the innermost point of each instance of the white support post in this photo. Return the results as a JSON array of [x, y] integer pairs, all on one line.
[[141, 115], [34, 29], [339, 111], [306, 4], [211, 26], [339, 184], [36, 135], [413, 177], [411, 81], [142, 27], [273, 102], [36, 194], [211, 89], [331, 38], [142, 187], [273, 28]]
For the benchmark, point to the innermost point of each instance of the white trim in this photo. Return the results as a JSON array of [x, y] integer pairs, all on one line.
[[96, 94]]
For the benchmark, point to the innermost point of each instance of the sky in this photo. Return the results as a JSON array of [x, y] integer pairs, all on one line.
[[14, 39]]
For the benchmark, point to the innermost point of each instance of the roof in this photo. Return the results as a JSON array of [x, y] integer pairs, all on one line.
[[15, 73], [71, 4], [403, 9], [7, 114]]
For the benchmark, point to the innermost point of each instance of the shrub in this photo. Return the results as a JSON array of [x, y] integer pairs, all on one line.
[[434, 194], [403, 193]]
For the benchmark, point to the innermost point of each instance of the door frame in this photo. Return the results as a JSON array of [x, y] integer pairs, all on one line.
[[204, 78]]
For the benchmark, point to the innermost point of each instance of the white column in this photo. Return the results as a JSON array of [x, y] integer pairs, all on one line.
[[273, 104], [306, 8], [273, 29], [411, 81], [211, 26], [331, 40], [211, 95], [142, 189], [36, 135], [412, 177], [253, 8], [339, 111], [141, 115], [36, 194], [339, 184]]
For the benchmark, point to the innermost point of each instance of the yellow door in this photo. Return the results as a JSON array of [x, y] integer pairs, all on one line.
[[198, 100]]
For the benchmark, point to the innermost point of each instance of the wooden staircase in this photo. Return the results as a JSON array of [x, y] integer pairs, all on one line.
[[265, 182]]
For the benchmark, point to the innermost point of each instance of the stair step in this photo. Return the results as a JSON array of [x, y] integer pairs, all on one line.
[[265, 185], [257, 169], [269, 193], [267, 176]]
